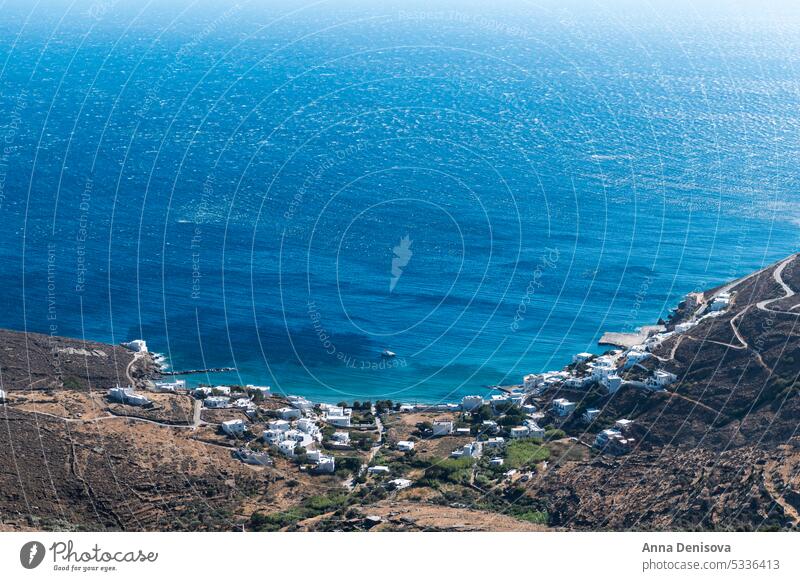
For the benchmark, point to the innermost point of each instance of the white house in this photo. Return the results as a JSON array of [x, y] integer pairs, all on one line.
[[273, 436], [286, 447], [279, 425], [497, 442], [299, 438], [253, 457], [288, 413], [221, 390], [325, 464], [216, 402], [578, 382], [534, 430], [534, 383], [378, 470], [243, 403], [660, 379], [117, 394], [169, 386], [499, 400], [137, 346], [307, 426], [489, 426], [602, 367], [407, 408], [518, 432], [471, 450], [338, 416], [603, 437], [721, 301], [127, 396], [517, 398], [471, 402], [341, 438], [563, 407], [262, 391], [2, 395], [635, 356], [590, 415], [581, 357], [612, 382], [442, 428], [623, 424], [405, 446], [400, 483], [235, 428], [613, 442], [496, 462], [300, 403]]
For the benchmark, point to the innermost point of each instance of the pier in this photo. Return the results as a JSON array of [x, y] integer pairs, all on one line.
[[628, 340], [193, 371]]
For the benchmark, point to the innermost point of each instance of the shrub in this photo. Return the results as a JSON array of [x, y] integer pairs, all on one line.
[[523, 453]]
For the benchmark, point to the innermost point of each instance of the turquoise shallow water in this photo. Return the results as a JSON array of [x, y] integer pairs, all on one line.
[[291, 190]]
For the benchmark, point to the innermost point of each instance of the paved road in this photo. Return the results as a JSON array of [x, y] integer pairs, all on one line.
[[777, 274], [136, 356]]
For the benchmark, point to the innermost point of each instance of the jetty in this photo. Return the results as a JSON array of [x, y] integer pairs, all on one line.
[[193, 371], [628, 340]]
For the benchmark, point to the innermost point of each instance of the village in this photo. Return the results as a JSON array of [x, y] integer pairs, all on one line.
[[370, 440]]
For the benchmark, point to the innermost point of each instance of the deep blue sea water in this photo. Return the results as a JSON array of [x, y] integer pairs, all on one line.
[[230, 182]]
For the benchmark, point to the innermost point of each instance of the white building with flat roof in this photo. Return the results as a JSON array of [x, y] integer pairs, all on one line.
[[660, 380], [581, 357], [534, 430], [307, 425], [235, 428], [471, 450], [288, 413], [400, 483], [623, 424], [299, 402], [442, 428], [169, 386], [518, 432], [563, 407], [273, 436], [590, 415], [216, 402], [612, 382], [635, 356], [280, 425], [471, 402], [497, 442], [126, 395], [341, 437], [137, 345], [325, 464], [405, 445]]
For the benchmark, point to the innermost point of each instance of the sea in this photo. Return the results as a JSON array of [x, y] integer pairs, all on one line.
[[293, 188]]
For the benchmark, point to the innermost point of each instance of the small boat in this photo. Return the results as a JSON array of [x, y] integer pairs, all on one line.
[[388, 354]]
